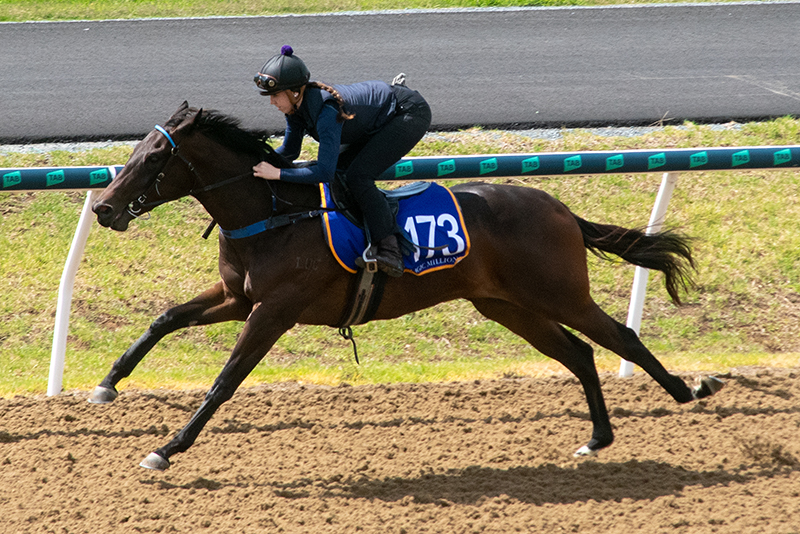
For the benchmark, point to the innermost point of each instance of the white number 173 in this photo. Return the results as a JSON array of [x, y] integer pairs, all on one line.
[[446, 221]]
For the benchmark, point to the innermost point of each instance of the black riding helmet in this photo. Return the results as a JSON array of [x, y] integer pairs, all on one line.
[[281, 72]]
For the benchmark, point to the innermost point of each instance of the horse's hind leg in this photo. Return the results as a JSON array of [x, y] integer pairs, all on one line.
[[213, 306], [553, 340], [637, 353], [620, 339]]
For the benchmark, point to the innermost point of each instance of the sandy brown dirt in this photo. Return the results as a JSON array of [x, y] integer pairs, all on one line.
[[489, 456]]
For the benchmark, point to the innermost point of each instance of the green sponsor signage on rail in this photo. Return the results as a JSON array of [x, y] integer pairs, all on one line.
[[530, 164], [572, 163], [656, 160], [783, 156], [12, 178], [696, 160], [468, 167], [488, 165], [615, 162], [403, 169], [77, 178], [55, 178], [98, 177], [740, 158], [446, 167]]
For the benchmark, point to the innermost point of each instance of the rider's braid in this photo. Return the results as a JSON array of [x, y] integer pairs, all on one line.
[[342, 116]]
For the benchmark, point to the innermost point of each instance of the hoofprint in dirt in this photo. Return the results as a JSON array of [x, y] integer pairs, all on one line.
[[488, 456]]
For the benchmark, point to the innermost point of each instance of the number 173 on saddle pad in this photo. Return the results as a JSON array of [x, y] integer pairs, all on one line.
[[432, 219]]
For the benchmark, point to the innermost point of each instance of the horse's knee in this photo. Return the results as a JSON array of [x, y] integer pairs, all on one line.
[[583, 347], [169, 321], [221, 392], [163, 324], [580, 358]]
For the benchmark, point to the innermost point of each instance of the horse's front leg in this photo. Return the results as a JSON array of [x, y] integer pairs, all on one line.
[[265, 325], [215, 305]]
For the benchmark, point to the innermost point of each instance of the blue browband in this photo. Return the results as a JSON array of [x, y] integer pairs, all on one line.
[[163, 131]]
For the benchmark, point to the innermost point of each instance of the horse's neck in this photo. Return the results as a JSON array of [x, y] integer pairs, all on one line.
[[293, 198], [251, 199]]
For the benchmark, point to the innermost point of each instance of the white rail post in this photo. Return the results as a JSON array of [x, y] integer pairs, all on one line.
[[65, 297], [641, 274]]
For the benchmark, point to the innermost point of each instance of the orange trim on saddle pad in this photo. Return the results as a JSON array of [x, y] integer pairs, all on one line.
[[431, 219]]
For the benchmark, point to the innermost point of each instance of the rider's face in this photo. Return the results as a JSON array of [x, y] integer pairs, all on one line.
[[282, 102]]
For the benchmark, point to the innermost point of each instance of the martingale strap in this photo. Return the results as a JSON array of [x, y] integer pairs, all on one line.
[[268, 224]]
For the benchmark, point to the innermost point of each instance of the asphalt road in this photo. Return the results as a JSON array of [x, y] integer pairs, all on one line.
[[496, 68]]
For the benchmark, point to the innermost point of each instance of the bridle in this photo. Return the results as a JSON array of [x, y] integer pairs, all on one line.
[[136, 207]]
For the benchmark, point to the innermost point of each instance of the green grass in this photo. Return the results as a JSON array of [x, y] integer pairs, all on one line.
[[744, 310], [29, 10]]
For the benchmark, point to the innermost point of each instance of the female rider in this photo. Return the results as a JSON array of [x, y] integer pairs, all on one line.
[[362, 129]]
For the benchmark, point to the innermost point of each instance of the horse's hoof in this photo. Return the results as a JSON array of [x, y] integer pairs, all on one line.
[[584, 452], [156, 462], [706, 387], [103, 395]]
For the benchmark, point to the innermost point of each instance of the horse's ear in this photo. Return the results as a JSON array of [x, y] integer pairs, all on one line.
[[197, 117], [183, 107]]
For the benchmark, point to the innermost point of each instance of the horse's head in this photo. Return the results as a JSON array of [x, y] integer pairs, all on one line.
[[138, 188], [204, 154]]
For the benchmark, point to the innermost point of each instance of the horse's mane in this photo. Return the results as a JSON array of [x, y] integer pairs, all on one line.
[[227, 131]]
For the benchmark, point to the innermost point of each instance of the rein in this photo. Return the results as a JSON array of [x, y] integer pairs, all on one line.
[[274, 221]]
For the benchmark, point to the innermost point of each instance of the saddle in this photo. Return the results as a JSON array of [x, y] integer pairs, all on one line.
[[343, 200], [366, 291], [428, 220]]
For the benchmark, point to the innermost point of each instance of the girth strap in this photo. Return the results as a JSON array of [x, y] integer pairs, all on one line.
[[365, 297], [366, 293]]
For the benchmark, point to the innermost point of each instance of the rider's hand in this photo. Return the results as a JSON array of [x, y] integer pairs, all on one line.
[[266, 171]]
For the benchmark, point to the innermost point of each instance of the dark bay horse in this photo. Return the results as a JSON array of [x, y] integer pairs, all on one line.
[[527, 267]]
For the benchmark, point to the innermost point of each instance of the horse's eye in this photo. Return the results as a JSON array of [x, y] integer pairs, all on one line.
[[152, 159]]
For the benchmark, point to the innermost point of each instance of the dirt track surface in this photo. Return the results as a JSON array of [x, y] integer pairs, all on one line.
[[488, 456]]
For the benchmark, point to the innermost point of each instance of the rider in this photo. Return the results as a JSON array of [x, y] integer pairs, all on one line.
[[362, 129]]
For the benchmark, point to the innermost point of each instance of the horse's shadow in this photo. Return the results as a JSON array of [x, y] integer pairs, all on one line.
[[545, 484], [637, 480]]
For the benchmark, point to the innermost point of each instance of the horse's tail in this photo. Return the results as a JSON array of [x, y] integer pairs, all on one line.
[[665, 251]]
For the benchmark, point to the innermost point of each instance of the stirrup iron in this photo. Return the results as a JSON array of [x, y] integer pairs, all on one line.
[[370, 263]]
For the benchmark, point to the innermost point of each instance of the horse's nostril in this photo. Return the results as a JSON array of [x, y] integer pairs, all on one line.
[[101, 209]]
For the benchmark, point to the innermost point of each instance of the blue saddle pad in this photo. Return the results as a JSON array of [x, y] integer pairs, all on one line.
[[432, 219]]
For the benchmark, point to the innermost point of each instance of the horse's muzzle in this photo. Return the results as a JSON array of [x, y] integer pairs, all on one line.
[[110, 218]]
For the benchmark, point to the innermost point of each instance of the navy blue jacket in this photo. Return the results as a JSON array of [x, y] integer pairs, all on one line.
[[373, 104]]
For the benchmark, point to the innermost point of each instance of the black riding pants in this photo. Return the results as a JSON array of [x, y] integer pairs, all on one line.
[[364, 163]]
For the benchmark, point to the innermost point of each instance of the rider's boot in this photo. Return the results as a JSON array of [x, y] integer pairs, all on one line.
[[390, 259]]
